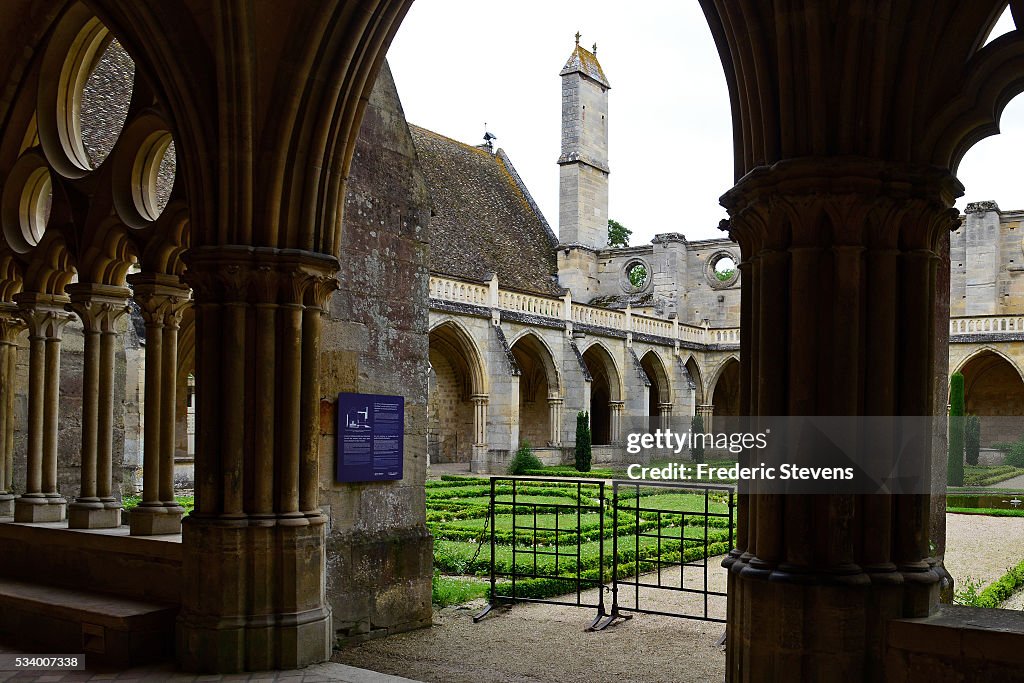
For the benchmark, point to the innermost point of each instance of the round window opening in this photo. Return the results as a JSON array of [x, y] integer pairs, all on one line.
[[104, 99], [725, 269], [34, 209], [637, 275]]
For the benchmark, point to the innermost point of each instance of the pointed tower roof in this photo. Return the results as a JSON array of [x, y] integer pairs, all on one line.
[[585, 62]]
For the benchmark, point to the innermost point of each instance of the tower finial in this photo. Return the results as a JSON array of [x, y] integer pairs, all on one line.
[[577, 38], [595, 49]]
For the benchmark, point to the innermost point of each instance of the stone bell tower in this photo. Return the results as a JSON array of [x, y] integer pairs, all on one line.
[[583, 176]]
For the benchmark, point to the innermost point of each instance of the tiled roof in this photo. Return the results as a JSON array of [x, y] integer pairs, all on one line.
[[484, 220], [585, 62]]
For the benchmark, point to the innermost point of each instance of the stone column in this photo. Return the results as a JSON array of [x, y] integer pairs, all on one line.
[[99, 307], [45, 316], [161, 299], [840, 256], [253, 549], [665, 412], [706, 412], [479, 425], [10, 326], [555, 420], [615, 428]]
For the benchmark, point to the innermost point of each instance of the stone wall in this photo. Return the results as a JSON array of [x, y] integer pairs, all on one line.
[[379, 553]]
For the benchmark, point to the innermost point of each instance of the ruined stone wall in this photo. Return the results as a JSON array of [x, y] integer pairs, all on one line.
[[379, 553]]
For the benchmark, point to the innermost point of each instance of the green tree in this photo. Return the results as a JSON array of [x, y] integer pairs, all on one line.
[[955, 471], [697, 427], [637, 275], [972, 439], [618, 234], [583, 452]]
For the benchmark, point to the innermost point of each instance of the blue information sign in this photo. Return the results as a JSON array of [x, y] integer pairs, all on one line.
[[371, 431]]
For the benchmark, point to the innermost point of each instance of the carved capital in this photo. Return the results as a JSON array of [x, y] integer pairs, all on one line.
[[236, 274], [44, 314], [162, 299], [10, 323], [826, 202], [98, 306]]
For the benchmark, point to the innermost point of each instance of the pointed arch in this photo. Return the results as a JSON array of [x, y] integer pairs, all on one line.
[[605, 388], [696, 378], [724, 389], [600, 361], [533, 341], [654, 365], [453, 339], [994, 391], [982, 351]]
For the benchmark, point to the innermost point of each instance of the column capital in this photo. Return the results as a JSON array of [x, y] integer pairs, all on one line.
[[261, 275], [98, 306], [11, 323], [480, 399], [161, 298], [867, 202], [44, 314], [555, 400]]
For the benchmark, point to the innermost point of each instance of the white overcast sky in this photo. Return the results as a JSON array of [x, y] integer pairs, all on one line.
[[461, 63]]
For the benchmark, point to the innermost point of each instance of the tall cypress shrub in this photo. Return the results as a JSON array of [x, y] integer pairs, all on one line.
[[972, 439], [583, 454], [697, 449], [955, 471]]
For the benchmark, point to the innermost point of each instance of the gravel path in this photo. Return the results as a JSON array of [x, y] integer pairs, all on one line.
[[532, 643], [1015, 483], [983, 548]]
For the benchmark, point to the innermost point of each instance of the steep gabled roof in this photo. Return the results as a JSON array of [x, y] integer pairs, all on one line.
[[585, 62], [484, 220]]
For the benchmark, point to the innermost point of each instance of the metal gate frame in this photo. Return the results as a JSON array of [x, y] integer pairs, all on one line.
[[603, 618], [581, 582], [620, 612]]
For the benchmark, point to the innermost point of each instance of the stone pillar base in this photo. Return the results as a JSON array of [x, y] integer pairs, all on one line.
[[37, 509], [235, 618], [6, 505], [154, 521], [93, 515]]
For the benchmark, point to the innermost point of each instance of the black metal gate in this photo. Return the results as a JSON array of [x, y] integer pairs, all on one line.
[[651, 577], [537, 557], [662, 534]]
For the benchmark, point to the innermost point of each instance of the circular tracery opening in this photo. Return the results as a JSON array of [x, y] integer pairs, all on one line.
[[721, 270], [637, 275], [106, 95], [153, 175], [725, 268], [84, 98], [36, 200], [26, 203]]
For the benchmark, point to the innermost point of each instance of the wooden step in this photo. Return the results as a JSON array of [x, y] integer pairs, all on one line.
[[111, 630]]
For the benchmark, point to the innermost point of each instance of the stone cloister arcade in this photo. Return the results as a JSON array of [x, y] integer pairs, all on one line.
[[850, 120], [547, 374]]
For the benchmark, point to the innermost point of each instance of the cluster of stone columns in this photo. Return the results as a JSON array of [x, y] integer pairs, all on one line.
[[45, 316], [615, 428], [706, 412], [254, 594], [480, 402], [162, 300], [100, 307], [10, 326], [555, 419]]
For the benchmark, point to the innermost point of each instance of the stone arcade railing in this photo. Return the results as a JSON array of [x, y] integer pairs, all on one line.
[[986, 325], [491, 296]]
